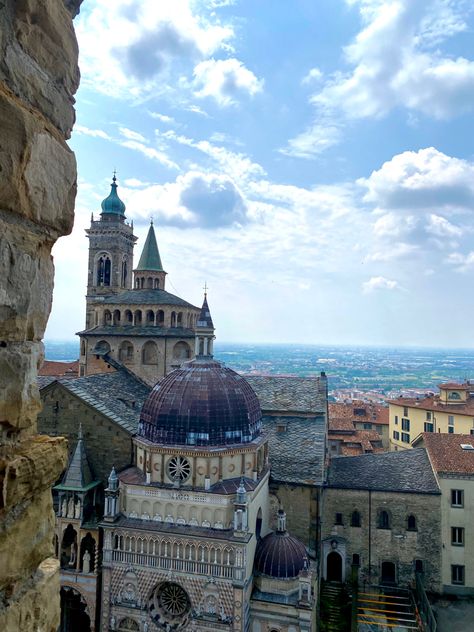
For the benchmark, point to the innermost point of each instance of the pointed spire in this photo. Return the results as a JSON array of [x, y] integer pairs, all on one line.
[[150, 258], [78, 474], [281, 526], [113, 479], [205, 318]]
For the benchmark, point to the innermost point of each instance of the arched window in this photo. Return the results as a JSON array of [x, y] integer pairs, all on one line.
[[124, 273], [355, 519], [258, 524], [107, 317], [68, 557], [87, 559], [149, 283], [102, 347], [128, 317], [150, 317], [137, 317], [384, 520], [137, 284], [142, 282], [160, 318], [83, 347], [173, 319], [128, 625], [179, 320], [117, 317], [150, 353], [411, 523], [126, 351], [104, 268], [157, 284], [181, 351]]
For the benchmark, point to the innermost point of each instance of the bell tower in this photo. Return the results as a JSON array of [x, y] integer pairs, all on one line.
[[111, 242]]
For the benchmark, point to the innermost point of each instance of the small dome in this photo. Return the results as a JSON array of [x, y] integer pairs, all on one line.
[[202, 403], [280, 555], [112, 203]]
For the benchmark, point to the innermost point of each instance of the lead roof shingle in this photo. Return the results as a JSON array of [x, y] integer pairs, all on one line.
[[407, 471]]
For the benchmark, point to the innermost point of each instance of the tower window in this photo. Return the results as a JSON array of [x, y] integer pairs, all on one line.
[[384, 520], [103, 270]]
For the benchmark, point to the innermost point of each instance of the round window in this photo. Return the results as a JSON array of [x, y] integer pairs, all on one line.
[[179, 468], [170, 606]]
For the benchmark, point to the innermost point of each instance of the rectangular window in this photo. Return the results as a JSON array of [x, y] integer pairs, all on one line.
[[472, 431], [451, 430], [428, 416], [457, 498], [367, 426], [457, 574], [338, 518], [451, 420], [396, 420], [405, 411], [428, 426], [396, 435], [406, 425], [405, 437], [457, 536]]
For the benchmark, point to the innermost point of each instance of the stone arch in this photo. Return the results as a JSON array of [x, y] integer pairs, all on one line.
[[87, 559], [411, 523], [128, 317], [107, 318], [75, 613], [150, 317], [156, 284], [149, 283], [150, 353], [116, 317], [126, 351], [137, 317], [160, 318], [137, 283], [334, 567], [68, 557], [128, 625], [173, 319], [179, 319], [181, 351], [383, 519], [146, 508], [102, 346]]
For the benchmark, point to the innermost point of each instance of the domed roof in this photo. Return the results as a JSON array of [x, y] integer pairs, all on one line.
[[112, 203], [202, 403], [280, 555]]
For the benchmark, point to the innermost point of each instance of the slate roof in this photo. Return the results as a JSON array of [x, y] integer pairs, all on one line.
[[290, 394], [145, 297], [297, 453], [205, 318], [150, 257], [119, 396], [149, 331], [406, 471], [78, 474], [446, 453]]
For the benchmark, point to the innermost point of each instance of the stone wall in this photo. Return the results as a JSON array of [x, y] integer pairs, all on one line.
[[106, 443], [397, 544], [38, 77]]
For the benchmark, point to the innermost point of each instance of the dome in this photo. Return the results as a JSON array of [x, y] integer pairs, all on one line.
[[202, 403], [112, 203], [280, 555]]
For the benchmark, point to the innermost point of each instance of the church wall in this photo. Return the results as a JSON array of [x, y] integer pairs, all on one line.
[[301, 504], [38, 78], [396, 544], [107, 443]]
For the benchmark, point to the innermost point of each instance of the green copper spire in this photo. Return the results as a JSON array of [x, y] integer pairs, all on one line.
[[150, 258], [112, 203]]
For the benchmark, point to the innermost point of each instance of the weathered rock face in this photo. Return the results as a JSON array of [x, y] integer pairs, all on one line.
[[38, 78]]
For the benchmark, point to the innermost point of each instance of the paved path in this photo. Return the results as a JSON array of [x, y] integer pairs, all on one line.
[[457, 616]]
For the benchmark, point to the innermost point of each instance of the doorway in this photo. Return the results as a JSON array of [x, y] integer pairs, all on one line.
[[388, 573], [334, 567]]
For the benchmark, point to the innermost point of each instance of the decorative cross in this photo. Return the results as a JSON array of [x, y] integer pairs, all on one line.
[[205, 288]]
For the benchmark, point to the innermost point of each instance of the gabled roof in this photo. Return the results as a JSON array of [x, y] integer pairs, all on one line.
[[78, 474], [447, 454], [406, 471], [150, 257]]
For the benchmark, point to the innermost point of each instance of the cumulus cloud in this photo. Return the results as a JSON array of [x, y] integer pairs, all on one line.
[[313, 141], [150, 152], [397, 60], [312, 76], [462, 262], [379, 283], [225, 80], [163, 118]]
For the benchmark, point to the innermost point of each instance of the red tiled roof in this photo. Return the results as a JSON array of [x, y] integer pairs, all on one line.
[[373, 413], [51, 368], [446, 453], [456, 386], [434, 403]]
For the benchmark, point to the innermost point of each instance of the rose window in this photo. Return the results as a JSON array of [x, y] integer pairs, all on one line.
[[170, 606], [179, 468]]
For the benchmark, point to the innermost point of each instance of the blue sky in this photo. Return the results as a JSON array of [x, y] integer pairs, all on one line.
[[312, 161]]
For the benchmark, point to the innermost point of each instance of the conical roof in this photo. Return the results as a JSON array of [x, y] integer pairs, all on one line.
[[78, 474], [205, 318], [150, 257], [112, 203]]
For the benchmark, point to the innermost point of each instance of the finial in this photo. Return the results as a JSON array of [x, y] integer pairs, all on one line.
[[151, 221], [205, 288], [92, 217], [114, 179]]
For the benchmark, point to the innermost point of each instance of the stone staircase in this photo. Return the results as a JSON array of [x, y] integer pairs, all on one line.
[[387, 610], [334, 608]]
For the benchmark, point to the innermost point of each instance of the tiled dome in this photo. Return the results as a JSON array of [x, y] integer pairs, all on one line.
[[112, 203], [280, 555], [204, 404]]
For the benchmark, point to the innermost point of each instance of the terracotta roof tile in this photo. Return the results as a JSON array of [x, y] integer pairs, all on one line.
[[433, 403], [51, 368], [446, 453]]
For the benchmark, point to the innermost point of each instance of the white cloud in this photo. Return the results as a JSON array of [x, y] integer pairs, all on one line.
[[313, 76], [441, 227], [149, 40], [225, 80], [132, 135], [164, 118], [379, 283], [150, 152], [97, 133], [315, 140], [397, 61], [462, 262]]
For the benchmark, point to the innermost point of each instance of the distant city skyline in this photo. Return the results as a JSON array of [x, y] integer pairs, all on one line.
[[312, 162]]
